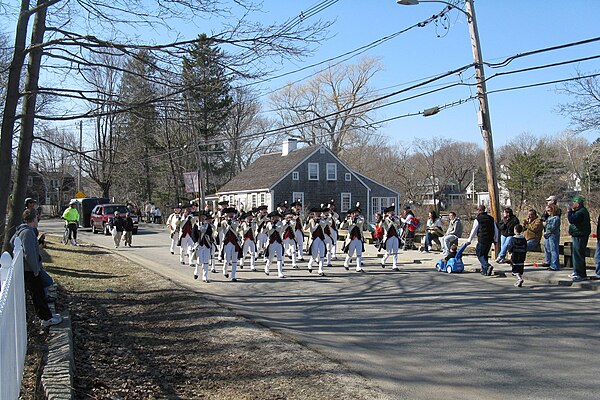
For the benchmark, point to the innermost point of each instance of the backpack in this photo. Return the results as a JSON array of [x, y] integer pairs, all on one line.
[[416, 224]]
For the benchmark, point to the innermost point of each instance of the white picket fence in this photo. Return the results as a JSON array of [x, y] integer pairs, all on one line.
[[13, 324]]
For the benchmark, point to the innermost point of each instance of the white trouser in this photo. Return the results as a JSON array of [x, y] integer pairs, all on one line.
[[261, 242], [391, 247], [186, 248], [174, 240], [333, 247], [275, 250], [354, 246], [289, 246], [318, 252], [203, 255], [328, 249], [230, 256], [221, 236], [249, 247], [117, 236], [300, 240]]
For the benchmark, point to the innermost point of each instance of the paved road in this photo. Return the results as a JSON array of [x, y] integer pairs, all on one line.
[[418, 333]]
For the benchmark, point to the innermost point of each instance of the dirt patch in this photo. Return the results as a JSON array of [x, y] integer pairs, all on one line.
[[139, 336]]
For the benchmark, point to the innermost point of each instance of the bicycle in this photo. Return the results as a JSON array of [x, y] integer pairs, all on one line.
[[65, 238]]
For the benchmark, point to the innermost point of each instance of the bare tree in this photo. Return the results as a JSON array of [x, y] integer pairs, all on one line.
[[584, 110], [329, 108], [68, 52]]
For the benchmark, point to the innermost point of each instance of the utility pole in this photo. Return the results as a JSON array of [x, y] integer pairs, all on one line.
[[80, 159], [485, 123]]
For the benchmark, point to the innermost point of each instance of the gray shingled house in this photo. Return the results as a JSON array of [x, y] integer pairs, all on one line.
[[313, 175]]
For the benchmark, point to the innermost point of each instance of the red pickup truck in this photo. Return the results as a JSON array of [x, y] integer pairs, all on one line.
[[102, 213]]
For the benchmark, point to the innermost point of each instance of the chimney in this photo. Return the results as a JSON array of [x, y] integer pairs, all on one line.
[[289, 145]]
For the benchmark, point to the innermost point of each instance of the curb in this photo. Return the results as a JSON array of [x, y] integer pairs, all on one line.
[[57, 376]]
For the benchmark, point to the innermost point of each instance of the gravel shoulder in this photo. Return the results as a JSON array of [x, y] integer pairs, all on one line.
[[138, 335]]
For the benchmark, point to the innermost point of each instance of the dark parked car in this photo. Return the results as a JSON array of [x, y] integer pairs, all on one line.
[[102, 213]]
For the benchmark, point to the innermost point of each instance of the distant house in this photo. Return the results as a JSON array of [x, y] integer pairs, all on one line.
[[313, 175], [51, 189]]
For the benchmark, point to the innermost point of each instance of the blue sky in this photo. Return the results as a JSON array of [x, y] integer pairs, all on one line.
[[506, 28]]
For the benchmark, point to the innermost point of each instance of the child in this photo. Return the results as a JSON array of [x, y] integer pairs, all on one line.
[[452, 254], [518, 249]]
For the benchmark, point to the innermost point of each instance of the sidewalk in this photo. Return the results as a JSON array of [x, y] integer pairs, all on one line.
[[532, 273]]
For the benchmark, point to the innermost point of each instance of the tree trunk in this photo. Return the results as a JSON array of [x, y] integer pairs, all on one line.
[[10, 111], [27, 122]]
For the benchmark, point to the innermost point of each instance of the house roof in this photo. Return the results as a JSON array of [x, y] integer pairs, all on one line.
[[267, 170]]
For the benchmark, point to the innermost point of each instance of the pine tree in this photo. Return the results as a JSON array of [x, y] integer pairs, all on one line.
[[209, 102]]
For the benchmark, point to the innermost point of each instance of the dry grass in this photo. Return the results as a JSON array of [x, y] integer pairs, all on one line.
[[139, 336]]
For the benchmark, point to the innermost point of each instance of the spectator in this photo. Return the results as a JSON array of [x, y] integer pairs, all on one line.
[[157, 216], [147, 211], [152, 213], [518, 249], [533, 230], [454, 231], [552, 200], [484, 227], [507, 231], [410, 227], [128, 228], [117, 226], [434, 230], [598, 248], [378, 231], [32, 266], [71, 217], [31, 203], [551, 237], [580, 228]]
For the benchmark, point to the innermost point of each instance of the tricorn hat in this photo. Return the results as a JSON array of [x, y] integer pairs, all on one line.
[[262, 208], [223, 203], [274, 214], [391, 208], [229, 210]]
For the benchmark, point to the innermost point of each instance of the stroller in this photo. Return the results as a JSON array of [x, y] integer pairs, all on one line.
[[455, 264]]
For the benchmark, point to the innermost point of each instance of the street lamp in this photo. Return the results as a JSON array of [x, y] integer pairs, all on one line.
[[484, 112]]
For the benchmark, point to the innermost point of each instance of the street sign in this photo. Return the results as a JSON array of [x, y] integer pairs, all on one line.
[[79, 195]]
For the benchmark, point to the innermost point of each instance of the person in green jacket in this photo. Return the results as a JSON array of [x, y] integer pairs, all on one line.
[[580, 228], [71, 217]]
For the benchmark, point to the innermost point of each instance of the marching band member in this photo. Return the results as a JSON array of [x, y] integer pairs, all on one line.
[[391, 242], [186, 242], [248, 232], [203, 239], [173, 223], [355, 241], [289, 237], [335, 217], [211, 231], [282, 207], [329, 242], [275, 247], [316, 229], [299, 229], [231, 242], [220, 217], [261, 230]]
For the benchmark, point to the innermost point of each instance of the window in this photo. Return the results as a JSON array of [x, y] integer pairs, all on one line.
[[331, 169], [298, 196], [295, 176], [253, 201], [379, 203], [313, 171], [346, 202], [348, 176], [262, 199], [29, 181], [322, 150]]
